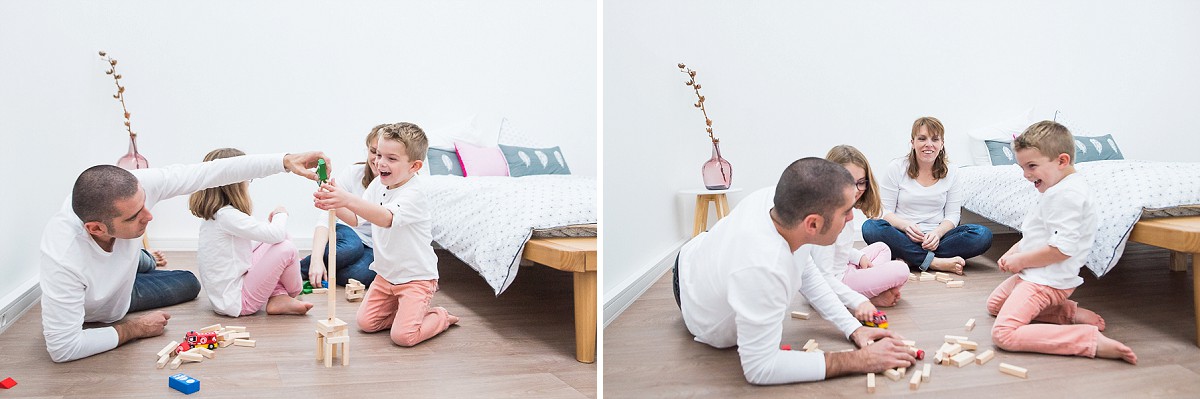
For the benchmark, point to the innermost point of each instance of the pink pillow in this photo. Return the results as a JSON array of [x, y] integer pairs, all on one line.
[[481, 161]]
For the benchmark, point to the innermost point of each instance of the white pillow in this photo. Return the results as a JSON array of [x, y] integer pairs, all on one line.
[[1003, 130], [512, 134]]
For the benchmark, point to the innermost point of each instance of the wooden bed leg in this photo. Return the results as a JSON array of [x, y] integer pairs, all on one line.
[[1179, 261], [585, 316]]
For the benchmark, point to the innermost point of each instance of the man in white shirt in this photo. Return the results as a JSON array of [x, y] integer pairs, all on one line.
[[736, 281], [90, 255]]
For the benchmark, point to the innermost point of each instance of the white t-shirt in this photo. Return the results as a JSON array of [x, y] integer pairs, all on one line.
[[223, 256], [925, 206], [350, 179], [82, 283], [403, 252], [1065, 218], [832, 261], [736, 282]]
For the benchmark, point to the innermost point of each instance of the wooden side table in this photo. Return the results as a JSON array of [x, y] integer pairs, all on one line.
[[703, 199]]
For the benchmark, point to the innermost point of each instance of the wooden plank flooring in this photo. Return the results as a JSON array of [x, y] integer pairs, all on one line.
[[649, 353], [520, 344]]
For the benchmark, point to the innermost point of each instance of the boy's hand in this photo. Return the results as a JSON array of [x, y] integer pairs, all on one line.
[[865, 311], [302, 162], [1012, 263], [330, 196]]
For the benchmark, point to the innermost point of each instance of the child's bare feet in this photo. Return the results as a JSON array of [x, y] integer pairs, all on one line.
[[452, 318], [1109, 348], [283, 304], [1084, 316], [953, 265], [159, 259], [887, 298]]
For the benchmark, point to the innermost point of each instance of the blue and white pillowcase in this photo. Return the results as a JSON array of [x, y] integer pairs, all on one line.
[[1087, 149], [443, 162], [1001, 152], [526, 161]]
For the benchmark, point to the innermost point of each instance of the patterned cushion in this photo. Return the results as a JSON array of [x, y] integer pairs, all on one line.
[[443, 162], [1087, 149], [525, 161], [481, 161]]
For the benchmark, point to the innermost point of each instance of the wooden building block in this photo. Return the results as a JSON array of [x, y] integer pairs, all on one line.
[[204, 352], [955, 338], [226, 342], [939, 358], [870, 382], [968, 345], [1014, 370], [235, 328], [341, 339], [970, 325], [244, 342], [903, 370], [955, 284], [944, 279], [190, 357], [800, 315], [175, 363], [963, 359], [320, 290], [167, 349], [810, 345], [211, 328], [237, 335], [951, 349], [985, 357], [162, 360], [892, 374], [926, 277], [925, 372], [326, 326], [909, 343], [915, 382], [941, 274], [912, 277]]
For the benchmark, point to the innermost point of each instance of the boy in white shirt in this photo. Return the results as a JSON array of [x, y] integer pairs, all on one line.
[[736, 281], [1056, 238], [406, 266], [90, 250]]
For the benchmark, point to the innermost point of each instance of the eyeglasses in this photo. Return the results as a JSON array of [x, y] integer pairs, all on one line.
[[861, 184]]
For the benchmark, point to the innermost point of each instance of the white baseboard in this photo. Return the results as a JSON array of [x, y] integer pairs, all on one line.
[[13, 306], [633, 287], [191, 243]]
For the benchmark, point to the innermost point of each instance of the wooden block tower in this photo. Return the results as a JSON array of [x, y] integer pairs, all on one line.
[[333, 338]]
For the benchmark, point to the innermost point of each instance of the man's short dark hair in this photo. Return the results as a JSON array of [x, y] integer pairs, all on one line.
[[97, 190], [810, 186]]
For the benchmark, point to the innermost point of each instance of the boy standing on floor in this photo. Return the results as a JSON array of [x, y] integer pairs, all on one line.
[[1056, 238]]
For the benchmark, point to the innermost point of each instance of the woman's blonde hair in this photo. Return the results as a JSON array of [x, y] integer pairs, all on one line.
[[869, 203], [935, 128], [205, 203], [372, 139]]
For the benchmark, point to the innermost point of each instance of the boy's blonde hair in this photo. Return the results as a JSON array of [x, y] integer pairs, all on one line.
[[1049, 138], [935, 128], [205, 203], [869, 203], [409, 134], [368, 174]]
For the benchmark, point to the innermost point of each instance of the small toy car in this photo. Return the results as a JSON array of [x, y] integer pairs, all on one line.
[[879, 319]]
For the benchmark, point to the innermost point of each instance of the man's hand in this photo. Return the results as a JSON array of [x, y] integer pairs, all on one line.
[[887, 353], [863, 336], [302, 162], [148, 325]]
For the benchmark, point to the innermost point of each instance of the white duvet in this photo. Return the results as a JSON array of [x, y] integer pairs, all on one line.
[[486, 221], [1122, 190]]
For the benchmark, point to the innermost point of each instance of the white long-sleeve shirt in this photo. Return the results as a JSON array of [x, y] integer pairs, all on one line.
[[350, 179], [83, 283], [223, 256], [1065, 218], [832, 261], [925, 206], [403, 252], [736, 282]]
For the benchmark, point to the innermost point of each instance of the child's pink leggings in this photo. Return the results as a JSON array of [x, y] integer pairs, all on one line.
[[1016, 303], [884, 274], [274, 270], [405, 309]]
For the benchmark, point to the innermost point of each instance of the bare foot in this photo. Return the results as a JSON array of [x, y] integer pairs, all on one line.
[[283, 304], [953, 265], [452, 318], [159, 259], [887, 298], [1084, 316], [1109, 348]]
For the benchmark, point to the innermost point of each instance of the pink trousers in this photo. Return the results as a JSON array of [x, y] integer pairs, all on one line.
[[405, 309], [274, 270], [883, 275], [1016, 303]]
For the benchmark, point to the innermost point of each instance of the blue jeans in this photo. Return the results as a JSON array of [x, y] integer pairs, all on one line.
[[967, 241], [675, 282], [353, 259], [153, 288]]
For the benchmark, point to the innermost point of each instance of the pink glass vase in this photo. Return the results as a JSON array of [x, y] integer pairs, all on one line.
[[133, 159], [717, 172]]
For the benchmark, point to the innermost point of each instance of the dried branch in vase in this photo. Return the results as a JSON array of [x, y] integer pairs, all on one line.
[[699, 100], [120, 95]]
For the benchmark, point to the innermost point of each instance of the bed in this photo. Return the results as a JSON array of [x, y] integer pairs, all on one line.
[[490, 224], [1153, 203]]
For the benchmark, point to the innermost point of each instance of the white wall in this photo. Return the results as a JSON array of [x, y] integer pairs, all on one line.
[[785, 80], [274, 76]]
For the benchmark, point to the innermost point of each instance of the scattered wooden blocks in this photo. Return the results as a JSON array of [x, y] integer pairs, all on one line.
[[237, 335], [963, 359], [190, 356], [970, 325], [950, 349], [892, 374], [235, 328], [915, 382], [953, 339], [800, 315], [912, 277], [944, 279], [939, 358], [167, 349], [320, 290], [941, 274], [162, 360], [968, 345], [870, 382], [955, 284], [211, 328], [244, 342], [926, 277], [207, 353], [175, 363], [925, 372], [1014, 370], [810, 345], [985, 357], [355, 290], [903, 370]]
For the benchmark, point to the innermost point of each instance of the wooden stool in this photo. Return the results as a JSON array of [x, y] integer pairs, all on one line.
[[705, 197]]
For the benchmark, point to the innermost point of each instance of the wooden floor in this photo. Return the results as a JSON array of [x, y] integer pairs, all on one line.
[[649, 353], [520, 344]]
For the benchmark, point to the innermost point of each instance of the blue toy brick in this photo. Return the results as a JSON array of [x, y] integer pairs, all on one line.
[[182, 383], [324, 284]]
